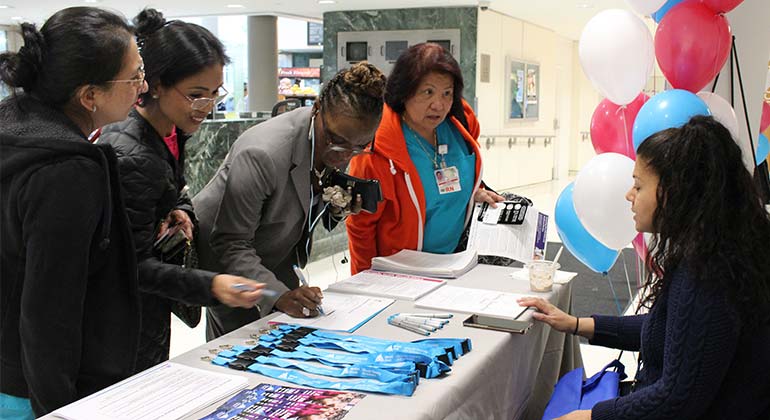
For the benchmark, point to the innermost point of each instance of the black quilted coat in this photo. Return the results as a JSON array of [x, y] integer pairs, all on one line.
[[151, 180]]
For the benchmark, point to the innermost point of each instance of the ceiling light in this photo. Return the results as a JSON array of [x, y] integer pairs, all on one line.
[[91, 1], [17, 18], [585, 6], [5, 6], [326, 1], [235, 6]]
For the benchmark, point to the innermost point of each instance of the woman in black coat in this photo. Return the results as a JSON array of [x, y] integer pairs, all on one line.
[[68, 289], [184, 64]]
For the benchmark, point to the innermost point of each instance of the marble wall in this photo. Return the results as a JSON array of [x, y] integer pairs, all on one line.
[[463, 18], [207, 148]]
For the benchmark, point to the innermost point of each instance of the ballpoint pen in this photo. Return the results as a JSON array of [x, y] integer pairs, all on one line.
[[408, 327], [440, 316], [304, 282], [247, 288]]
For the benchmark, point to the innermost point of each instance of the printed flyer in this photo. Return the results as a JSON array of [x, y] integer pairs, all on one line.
[[274, 402]]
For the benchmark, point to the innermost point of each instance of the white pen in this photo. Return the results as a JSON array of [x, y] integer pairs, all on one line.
[[408, 327], [442, 316], [304, 282], [420, 325], [247, 288], [436, 321], [427, 321]]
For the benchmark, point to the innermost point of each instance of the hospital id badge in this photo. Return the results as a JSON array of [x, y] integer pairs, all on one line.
[[447, 180]]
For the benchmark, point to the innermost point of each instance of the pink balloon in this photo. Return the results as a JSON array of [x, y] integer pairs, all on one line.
[[611, 126], [721, 6], [765, 122], [640, 246], [692, 43]]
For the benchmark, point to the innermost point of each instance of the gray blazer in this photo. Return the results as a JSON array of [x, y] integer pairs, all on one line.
[[253, 212]]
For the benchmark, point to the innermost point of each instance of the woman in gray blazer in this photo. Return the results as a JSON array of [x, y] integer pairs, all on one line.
[[257, 213]]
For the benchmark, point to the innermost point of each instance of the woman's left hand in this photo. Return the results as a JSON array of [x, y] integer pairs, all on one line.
[[577, 415], [178, 218], [486, 196]]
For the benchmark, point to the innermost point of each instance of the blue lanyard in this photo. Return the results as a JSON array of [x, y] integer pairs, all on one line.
[[446, 349], [366, 385], [379, 365], [354, 371], [404, 387]]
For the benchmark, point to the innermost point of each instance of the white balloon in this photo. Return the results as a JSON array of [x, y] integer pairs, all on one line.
[[617, 54], [646, 7], [723, 112], [600, 199]]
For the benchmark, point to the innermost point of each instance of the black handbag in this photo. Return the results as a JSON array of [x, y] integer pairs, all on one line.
[[173, 247]]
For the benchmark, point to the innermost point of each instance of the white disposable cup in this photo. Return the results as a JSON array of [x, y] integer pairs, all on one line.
[[541, 275]]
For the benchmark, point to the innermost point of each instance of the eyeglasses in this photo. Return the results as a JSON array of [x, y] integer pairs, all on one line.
[[337, 144], [136, 82], [202, 104]]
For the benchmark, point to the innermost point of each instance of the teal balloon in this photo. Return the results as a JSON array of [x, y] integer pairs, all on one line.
[[576, 238], [668, 109], [664, 9], [763, 148]]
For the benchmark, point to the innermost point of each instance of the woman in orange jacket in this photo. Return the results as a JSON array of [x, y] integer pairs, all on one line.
[[426, 157]]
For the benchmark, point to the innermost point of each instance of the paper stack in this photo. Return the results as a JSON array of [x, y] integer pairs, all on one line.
[[426, 264]]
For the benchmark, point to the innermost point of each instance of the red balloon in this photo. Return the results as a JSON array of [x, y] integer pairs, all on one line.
[[611, 126], [692, 43], [721, 6], [765, 121]]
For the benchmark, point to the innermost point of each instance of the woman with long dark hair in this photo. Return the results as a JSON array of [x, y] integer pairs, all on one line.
[[184, 70], [705, 341], [69, 300]]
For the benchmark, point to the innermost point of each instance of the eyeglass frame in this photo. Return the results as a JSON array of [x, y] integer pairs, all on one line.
[[213, 102], [137, 83], [335, 146]]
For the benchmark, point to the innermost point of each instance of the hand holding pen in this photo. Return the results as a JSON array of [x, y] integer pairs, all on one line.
[[302, 302], [237, 291]]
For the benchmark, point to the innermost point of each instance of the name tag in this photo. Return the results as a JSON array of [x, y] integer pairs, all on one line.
[[447, 180]]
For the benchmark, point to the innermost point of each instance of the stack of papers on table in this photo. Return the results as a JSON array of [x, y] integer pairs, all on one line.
[[419, 263], [474, 301], [343, 312], [392, 285], [168, 391]]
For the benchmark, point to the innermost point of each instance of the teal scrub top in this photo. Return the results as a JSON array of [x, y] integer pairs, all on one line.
[[15, 408], [445, 213]]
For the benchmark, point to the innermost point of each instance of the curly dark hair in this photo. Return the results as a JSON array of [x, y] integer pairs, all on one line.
[[355, 92], [412, 66], [709, 216]]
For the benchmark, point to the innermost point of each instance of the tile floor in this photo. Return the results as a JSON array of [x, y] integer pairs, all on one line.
[[324, 272]]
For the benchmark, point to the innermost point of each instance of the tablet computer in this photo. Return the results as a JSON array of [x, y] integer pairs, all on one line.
[[498, 324]]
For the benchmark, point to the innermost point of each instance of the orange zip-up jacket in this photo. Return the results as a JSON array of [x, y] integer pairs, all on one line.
[[399, 222]]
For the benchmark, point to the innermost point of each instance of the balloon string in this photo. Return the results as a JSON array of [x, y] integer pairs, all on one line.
[[625, 128]]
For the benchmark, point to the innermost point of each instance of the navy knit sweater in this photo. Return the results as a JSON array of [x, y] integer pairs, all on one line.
[[699, 361]]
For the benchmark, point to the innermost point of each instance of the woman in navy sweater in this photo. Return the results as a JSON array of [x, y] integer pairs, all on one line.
[[704, 343]]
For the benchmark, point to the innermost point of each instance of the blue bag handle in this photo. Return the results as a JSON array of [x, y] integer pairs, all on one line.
[[594, 380]]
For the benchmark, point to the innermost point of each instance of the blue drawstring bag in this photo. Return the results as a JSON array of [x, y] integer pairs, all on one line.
[[572, 393]]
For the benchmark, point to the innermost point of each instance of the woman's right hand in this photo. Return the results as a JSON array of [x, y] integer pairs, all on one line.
[[301, 302], [550, 314], [222, 287]]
